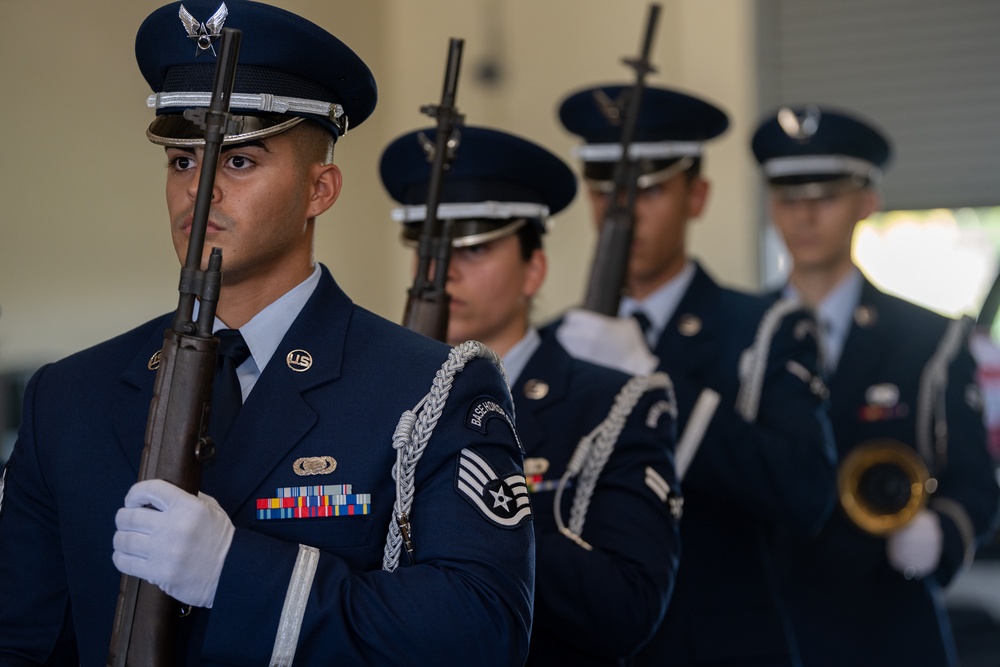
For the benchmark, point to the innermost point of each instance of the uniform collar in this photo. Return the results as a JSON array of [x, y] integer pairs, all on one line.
[[661, 304], [517, 357]]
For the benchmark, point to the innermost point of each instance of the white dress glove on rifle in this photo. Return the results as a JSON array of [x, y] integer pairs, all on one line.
[[609, 341], [915, 549], [178, 544]]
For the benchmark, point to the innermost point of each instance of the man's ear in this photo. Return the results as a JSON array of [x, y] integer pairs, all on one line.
[[327, 181], [870, 203], [697, 196], [535, 270]]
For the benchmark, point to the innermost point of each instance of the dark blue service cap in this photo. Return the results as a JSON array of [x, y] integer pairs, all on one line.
[[289, 69], [670, 131], [495, 184], [809, 151]]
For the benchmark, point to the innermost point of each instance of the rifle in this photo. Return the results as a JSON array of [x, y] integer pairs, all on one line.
[[427, 301], [146, 618], [609, 270]]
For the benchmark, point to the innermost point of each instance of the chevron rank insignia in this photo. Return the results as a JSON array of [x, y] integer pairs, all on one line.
[[501, 499]]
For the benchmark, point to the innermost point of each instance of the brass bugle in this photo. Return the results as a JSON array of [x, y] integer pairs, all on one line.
[[883, 484]]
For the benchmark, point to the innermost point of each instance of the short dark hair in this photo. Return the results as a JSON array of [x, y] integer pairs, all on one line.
[[529, 237]]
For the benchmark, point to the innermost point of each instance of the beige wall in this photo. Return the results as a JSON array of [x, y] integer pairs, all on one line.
[[84, 245]]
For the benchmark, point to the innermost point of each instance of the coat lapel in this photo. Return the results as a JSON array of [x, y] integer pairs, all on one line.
[[685, 347], [549, 365], [130, 399], [861, 357], [276, 415]]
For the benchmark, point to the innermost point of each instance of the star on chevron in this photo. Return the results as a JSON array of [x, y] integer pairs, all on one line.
[[500, 499]]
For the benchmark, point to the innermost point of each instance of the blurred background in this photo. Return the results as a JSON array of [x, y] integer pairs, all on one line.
[[85, 250]]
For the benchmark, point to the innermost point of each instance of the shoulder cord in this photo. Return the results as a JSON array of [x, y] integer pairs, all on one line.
[[932, 416], [412, 434], [753, 361], [932, 424], [594, 450]]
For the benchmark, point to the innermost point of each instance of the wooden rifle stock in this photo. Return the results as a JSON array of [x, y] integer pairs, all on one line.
[[427, 301], [146, 619], [609, 270]]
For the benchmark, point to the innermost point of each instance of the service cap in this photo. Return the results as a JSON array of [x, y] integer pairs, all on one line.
[[288, 70], [808, 151], [671, 129], [495, 184]]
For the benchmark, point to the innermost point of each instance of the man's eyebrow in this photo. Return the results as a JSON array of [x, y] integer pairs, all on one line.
[[225, 149], [246, 144]]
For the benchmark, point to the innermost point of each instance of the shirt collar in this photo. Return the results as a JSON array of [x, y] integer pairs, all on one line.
[[517, 357], [264, 332], [661, 304]]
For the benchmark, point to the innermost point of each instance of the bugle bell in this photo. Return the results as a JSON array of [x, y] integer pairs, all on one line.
[[883, 484]]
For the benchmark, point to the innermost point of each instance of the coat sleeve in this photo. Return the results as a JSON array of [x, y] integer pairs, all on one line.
[[781, 465], [468, 594], [623, 583], [967, 494], [35, 623]]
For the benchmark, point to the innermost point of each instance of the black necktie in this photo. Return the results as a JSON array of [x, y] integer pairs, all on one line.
[[645, 324], [227, 397]]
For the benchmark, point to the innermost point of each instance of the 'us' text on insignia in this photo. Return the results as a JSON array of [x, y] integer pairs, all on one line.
[[502, 500]]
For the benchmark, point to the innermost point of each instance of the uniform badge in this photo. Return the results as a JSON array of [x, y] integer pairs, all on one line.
[[689, 325], [535, 389], [612, 109], [800, 126], [882, 403], [204, 34], [865, 316], [657, 410], [502, 500], [314, 465], [536, 466], [483, 410], [309, 502], [154, 361], [299, 360]]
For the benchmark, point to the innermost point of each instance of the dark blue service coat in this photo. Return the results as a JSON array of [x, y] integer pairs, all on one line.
[[745, 480], [849, 606], [469, 593], [595, 607]]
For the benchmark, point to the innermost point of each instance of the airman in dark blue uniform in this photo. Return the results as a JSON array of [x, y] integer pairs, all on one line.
[[289, 555], [597, 444], [754, 451], [904, 406]]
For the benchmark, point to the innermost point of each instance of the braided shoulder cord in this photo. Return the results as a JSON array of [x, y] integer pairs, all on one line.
[[410, 439], [932, 416], [594, 450], [753, 361]]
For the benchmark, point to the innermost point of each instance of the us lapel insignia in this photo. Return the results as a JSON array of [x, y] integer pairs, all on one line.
[[308, 502], [503, 500], [299, 360], [314, 465], [866, 316], [689, 325], [535, 389], [154, 361]]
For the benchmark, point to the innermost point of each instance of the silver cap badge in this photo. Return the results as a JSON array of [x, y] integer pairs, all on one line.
[[204, 34]]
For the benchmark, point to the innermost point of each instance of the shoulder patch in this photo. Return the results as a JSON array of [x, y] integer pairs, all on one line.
[[502, 500], [481, 411]]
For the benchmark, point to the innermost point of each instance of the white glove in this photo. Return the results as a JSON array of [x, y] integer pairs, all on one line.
[[915, 549], [609, 341], [178, 544]]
